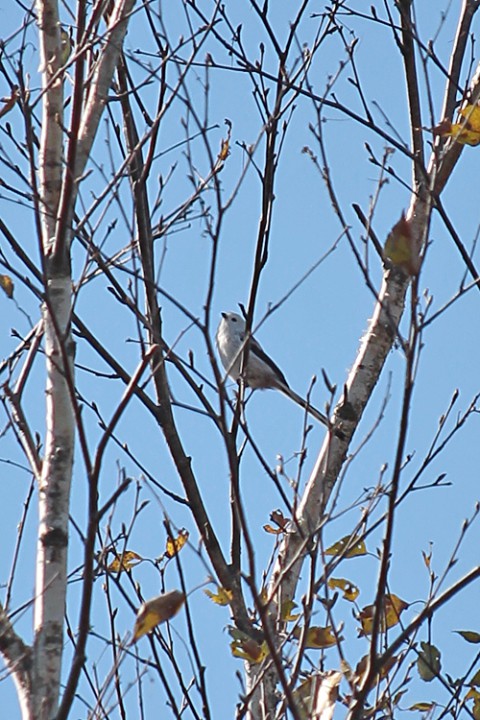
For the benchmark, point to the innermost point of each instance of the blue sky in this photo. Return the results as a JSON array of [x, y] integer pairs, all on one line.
[[318, 327]]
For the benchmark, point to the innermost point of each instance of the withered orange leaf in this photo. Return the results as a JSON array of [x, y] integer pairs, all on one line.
[[277, 517], [273, 531]]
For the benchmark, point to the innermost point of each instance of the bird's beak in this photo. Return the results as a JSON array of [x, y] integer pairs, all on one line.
[[224, 315]]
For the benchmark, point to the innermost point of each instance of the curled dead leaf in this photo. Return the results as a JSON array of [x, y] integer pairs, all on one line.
[[277, 517]]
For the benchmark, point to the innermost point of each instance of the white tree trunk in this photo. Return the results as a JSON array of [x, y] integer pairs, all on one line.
[[54, 495]]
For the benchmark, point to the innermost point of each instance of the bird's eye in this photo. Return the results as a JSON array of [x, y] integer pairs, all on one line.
[[234, 319]]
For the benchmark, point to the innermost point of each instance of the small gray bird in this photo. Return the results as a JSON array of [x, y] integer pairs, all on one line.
[[261, 371]]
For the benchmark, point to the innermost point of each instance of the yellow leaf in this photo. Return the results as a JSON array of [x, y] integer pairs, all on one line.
[[428, 662], [125, 561], [221, 597], [401, 249], [471, 115], [248, 649], [463, 135], [174, 545], [362, 667], [287, 615], [398, 696], [157, 610], [476, 679], [469, 635], [263, 596], [65, 46], [392, 607], [475, 695], [317, 637], [476, 709], [7, 285], [466, 130], [422, 706], [237, 634], [349, 546], [350, 591]]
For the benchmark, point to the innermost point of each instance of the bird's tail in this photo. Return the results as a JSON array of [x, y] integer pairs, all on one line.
[[306, 406]]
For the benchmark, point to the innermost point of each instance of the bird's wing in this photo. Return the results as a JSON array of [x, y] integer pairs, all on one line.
[[257, 349]]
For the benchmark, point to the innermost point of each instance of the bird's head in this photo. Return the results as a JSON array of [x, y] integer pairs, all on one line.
[[234, 321]]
